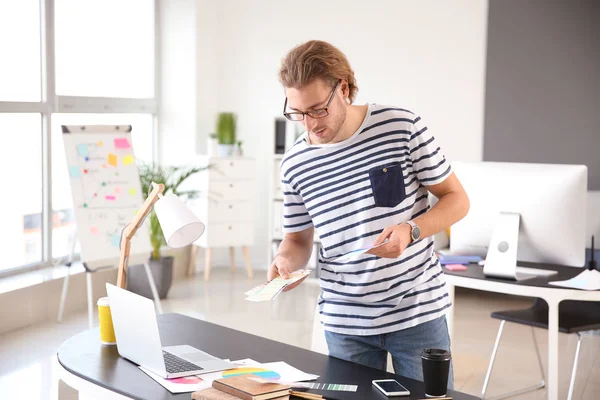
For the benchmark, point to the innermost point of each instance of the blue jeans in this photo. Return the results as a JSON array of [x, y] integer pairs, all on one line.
[[405, 346]]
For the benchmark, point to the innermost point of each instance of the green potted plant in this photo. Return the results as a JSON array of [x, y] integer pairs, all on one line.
[[226, 125], [161, 267]]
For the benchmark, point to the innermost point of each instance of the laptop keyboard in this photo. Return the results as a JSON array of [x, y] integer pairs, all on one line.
[[175, 364]]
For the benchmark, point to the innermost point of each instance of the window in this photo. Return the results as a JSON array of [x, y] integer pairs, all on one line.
[[20, 159], [20, 78], [101, 70], [105, 48]]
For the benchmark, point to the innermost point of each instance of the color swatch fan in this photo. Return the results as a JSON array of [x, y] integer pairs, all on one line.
[[106, 192], [260, 372]]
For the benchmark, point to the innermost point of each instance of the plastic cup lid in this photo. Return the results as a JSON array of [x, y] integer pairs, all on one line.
[[436, 354], [103, 301]]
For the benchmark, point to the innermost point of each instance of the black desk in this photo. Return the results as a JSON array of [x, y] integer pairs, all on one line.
[[475, 271], [84, 356]]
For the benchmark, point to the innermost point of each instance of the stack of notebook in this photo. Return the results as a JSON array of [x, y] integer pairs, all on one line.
[[247, 387], [243, 387]]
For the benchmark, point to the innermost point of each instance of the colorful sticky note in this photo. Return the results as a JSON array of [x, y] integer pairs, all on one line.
[[132, 192], [115, 239], [94, 230], [75, 171], [128, 159], [111, 159], [122, 143], [82, 150], [109, 197], [117, 190]]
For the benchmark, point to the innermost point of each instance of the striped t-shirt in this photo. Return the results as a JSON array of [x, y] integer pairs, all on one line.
[[350, 191]]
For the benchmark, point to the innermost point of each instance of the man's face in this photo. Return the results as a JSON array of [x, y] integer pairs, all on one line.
[[314, 96]]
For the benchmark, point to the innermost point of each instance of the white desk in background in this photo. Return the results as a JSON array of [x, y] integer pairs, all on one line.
[[539, 287]]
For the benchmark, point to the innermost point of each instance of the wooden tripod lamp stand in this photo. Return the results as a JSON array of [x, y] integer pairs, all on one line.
[[179, 225]]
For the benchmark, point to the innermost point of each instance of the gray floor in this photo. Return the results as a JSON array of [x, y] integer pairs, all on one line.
[[30, 373]]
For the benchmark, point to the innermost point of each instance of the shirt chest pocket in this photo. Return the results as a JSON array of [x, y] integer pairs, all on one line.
[[387, 184]]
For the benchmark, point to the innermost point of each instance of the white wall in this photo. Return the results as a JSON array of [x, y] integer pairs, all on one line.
[[407, 53], [178, 103], [208, 71]]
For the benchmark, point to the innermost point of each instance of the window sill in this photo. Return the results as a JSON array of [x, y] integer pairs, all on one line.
[[38, 276]]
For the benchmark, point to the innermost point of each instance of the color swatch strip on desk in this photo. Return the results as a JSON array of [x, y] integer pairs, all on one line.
[[326, 386]]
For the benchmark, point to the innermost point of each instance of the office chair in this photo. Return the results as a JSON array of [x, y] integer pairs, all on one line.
[[573, 317]]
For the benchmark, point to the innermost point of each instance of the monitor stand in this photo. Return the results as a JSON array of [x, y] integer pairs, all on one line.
[[501, 259]]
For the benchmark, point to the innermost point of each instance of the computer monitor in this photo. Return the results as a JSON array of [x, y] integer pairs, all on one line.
[[522, 212]]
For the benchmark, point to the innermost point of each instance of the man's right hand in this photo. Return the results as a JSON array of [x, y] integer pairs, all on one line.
[[279, 267], [283, 267], [294, 252]]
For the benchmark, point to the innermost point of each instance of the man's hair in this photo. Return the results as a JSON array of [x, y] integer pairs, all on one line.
[[316, 59]]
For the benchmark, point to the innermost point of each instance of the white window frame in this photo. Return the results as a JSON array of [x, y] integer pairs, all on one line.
[[52, 103]]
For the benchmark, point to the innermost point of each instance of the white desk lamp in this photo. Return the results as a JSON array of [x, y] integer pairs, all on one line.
[[179, 225]]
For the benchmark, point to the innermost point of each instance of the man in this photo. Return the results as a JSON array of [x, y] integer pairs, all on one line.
[[361, 175]]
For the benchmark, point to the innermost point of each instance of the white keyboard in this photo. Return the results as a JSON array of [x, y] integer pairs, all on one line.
[[535, 271]]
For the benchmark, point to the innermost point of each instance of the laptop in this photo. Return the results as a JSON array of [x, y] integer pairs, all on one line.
[[138, 339]]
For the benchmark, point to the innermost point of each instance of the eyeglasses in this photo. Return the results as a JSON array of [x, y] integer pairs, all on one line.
[[317, 113]]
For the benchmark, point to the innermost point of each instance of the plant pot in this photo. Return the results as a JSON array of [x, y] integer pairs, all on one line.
[[162, 271], [212, 147], [225, 150]]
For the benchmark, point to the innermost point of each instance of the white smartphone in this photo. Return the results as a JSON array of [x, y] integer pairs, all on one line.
[[391, 387]]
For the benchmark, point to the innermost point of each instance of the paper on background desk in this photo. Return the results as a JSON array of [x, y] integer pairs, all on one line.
[[587, 280], [270, 290]]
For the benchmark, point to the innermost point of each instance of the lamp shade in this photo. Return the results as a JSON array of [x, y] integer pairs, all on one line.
[[179, 224]]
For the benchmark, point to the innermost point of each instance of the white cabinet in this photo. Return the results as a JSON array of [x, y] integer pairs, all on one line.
[[276, 216], [225, 206]]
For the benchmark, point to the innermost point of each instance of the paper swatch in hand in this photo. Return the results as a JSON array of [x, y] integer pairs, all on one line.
[[355, 253], [256, 289], [270, 290]]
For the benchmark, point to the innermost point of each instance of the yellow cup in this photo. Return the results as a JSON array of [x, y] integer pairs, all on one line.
[[107, 331]]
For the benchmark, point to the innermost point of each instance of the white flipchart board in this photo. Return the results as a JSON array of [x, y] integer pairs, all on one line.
[[106, 192]]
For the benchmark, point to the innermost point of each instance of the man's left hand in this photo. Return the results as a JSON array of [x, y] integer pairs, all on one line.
[[398, 238]]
